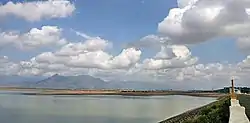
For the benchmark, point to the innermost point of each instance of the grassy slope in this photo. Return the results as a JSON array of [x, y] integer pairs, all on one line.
[[216, 112]]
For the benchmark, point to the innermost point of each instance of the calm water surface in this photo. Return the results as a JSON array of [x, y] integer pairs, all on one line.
[[15, 108]]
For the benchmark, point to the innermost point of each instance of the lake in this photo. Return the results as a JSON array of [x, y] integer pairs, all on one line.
[[16, 108]]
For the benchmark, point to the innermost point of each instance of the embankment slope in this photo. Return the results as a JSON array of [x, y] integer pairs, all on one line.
[[215, 112]]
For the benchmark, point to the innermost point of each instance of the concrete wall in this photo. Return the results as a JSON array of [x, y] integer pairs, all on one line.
[[237, 113]]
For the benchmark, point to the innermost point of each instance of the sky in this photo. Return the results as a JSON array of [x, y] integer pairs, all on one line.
[[183, 43]]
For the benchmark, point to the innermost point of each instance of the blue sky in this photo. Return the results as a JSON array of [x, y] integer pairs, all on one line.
[[218, 50], [121, 22], [31, 42]]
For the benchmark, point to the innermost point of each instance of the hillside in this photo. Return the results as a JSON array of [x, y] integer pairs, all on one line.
[[69, 82], [88, 82]]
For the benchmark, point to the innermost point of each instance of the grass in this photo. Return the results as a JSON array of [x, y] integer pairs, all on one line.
[[216, 112]]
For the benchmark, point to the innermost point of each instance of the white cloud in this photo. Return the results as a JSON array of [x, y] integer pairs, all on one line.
[[87, 46], [89, 54], [193, 22], [34, 67], [84, 35], [37, 10], [245, 64], [7, 67], [49, 57], [93, 59], [177, 56], [165, 53], [169, 57], [127, 58], [173, 63], [47, 35], [215, 75], [96, 59], [206, 76], [88, 57], [184, 3], [151, 41], [197, 21], [212, 75]]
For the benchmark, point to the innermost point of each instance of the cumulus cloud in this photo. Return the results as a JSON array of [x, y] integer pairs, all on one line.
[[35, 38], [150, 41], [215, 75], [93, 59], [206, 76], [37, 10], [177, 56], [212, 75], [90, 57], [89, 54], [86, 57], [34, 67], [165, 53], [169, 57], [194, 21], [7, 67], [80, 47], [197, 21], [245, 64]]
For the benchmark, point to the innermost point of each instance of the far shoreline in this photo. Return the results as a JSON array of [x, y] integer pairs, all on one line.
[[123, 92]]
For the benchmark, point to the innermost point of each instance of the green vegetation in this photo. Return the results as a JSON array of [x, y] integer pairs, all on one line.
[[244, 90], [215, 113], [245, 101], [226, 90]]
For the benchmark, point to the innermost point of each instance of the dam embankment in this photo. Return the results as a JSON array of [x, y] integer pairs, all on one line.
[[215, 112]]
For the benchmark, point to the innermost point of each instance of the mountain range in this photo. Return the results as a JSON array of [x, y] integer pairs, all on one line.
[[75, 82]]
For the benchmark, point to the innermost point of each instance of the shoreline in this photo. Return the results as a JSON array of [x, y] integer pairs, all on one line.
[[186, 115], [45, 91]]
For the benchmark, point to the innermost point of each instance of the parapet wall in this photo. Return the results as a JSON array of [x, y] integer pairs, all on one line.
[[237, 113]]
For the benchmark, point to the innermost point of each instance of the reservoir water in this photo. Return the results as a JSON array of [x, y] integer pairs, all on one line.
[[16, 108]]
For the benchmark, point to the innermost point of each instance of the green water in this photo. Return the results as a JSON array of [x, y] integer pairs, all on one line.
[[15, 108]]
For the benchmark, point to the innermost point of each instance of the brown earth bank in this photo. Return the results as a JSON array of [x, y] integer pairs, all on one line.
[[44, 91]]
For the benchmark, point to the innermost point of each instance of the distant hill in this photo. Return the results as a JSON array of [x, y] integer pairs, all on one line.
[[77, 82], [69, 82], [88, 82]]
